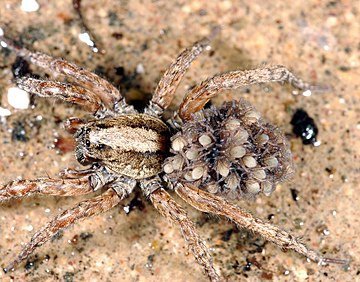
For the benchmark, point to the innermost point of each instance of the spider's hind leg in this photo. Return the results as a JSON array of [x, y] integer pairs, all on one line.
[[168, 208], [117, 191], [83, 210], [196, 99], [207, 202]]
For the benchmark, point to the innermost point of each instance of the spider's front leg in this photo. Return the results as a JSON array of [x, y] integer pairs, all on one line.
[[69, 93], [109, 95], [165, 90], [45, 186], [207, 202], [72, 183], [168, 208], [116, 192], [196, 99]]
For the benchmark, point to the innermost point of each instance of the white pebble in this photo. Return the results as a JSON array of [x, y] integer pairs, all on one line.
[[18, 98], [4, 112], [29, 6], [85, 37], [140, 69]]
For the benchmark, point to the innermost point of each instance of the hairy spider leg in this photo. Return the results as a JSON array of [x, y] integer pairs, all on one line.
[[69, 93], [83, 210], [165, 90], [196, 99], [45, 186], [72, 124], [168, 208], [108, 94], [207, 202]]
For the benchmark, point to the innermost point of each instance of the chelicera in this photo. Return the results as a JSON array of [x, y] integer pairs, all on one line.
[[207, 156]]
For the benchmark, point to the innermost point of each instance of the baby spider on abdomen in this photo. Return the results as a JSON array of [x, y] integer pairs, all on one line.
[[214, 154]]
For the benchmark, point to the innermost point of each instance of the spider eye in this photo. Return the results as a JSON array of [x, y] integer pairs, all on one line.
[[100, 147], [87, 143]]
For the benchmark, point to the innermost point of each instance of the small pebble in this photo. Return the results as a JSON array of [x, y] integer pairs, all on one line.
[[86, 38], [18, 98], [140, 69], [29, 6], [4, 112]]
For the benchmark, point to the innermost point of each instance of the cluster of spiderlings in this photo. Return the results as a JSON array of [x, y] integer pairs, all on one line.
[[230, 151]]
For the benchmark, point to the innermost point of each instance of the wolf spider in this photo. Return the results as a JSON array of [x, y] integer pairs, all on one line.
[[204, 155]]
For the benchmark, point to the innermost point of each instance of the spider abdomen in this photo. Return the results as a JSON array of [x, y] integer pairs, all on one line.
[[133, 145], [229, 151]]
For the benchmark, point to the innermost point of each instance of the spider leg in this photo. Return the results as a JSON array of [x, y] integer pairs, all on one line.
[[72, 124], [70, 93], [168, 208], [83, 210], [45, 186], [106, 92], [72, 183], [169, 82], [202, 93], [207, 202]]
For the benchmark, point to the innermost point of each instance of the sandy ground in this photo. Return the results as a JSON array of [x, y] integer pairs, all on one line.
[[318, 40]]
